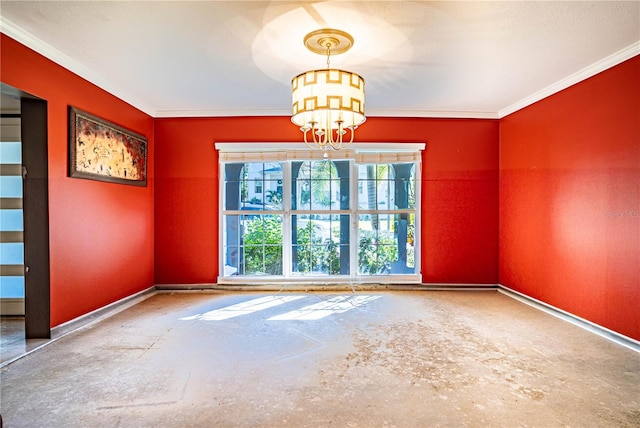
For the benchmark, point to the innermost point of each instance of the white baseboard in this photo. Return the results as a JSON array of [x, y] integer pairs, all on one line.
[[604, 332], [12, 307], [322, 286], [101, 313]]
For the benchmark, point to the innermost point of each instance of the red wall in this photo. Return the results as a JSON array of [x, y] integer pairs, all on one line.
[[459, 220], [570, 199], [101, 234]]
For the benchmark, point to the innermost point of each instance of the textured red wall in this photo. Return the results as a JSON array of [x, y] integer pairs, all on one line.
[[459, 201], [101, 234], [570, 199]]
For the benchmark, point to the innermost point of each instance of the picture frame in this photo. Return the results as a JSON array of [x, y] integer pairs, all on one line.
[[103, 151]]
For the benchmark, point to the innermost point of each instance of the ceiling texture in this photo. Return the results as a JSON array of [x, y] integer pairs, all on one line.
[[479, 59]]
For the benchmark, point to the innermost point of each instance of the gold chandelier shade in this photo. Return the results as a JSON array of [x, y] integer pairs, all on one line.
[[329, 95]]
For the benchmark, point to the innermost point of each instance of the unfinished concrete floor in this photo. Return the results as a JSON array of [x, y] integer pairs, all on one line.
[[365, 359], [13, 342]]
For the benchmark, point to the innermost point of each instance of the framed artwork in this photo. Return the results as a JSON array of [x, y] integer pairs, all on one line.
[[101, 150]]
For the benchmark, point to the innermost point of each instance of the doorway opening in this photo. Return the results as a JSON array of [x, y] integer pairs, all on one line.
[[24, 207]]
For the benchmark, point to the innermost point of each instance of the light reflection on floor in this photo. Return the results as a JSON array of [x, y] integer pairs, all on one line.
[[316, 311], [335, 305], [243, 308]]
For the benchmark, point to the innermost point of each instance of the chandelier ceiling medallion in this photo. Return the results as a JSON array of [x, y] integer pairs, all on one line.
[[328, 103]]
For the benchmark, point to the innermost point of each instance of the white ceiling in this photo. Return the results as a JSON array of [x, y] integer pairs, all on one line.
[[439, 58]]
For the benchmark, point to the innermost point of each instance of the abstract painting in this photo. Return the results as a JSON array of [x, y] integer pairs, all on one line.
[[100, 150]]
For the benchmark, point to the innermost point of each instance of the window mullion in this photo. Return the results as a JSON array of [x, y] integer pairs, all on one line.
[[286, 220], [353, 233]]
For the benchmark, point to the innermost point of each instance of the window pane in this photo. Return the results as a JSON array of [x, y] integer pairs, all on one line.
[[12, 287], [253, 186], [320, 244], [405, 182], [320, 185], [262, 240], [10, 186], [12, 253], [272, 186], [323, 188], [385, 244], [253, 245], [253, 171], [368, 192], [367, 195], [231, 245], [11, 152], [261, 181], [273, 194], [11, 220], [233, 185], [386, 186], [301, 185]]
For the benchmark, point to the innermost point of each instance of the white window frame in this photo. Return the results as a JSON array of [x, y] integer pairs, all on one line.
[[356, 153]]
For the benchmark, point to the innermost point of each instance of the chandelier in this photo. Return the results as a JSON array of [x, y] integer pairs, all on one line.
[[328, 103]]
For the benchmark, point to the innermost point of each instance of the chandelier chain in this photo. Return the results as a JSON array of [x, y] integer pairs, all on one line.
[[328, 54]]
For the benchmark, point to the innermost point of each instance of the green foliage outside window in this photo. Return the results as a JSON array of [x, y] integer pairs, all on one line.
[[314, 254], [263, 245], [376, 254], [263, 249]]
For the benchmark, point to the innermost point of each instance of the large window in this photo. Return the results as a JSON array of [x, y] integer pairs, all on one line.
[[346, 218]]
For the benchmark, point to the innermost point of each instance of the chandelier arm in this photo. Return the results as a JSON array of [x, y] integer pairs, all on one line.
[[313, 132], [337, 142], [352, 131], [320, 137], [306, 131], [325, 131]]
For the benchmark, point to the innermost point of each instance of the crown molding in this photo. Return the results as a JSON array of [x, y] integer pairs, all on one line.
[[370, 113], [220, 113], [436, 114], [587, 72], [10, 29]]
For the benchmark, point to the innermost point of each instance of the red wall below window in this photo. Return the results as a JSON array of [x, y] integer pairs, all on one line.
[[101, 234], [459, 198], [570, 199]]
